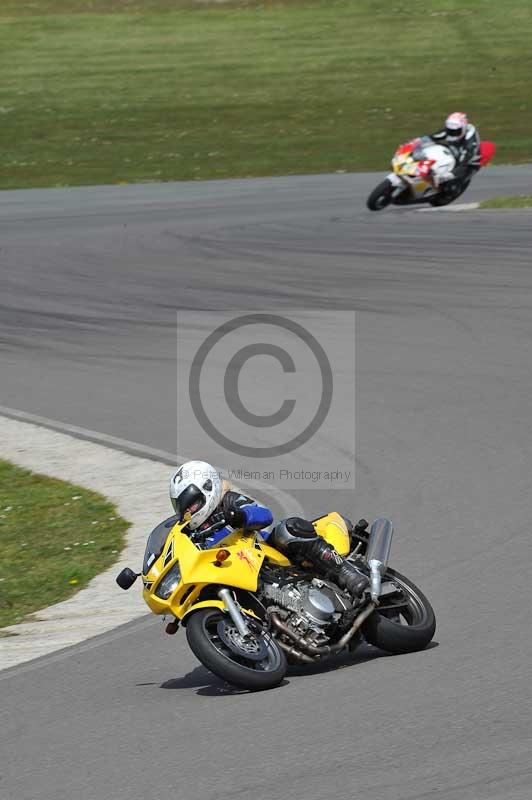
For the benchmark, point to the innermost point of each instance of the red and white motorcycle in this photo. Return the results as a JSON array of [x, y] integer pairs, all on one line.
[[420, 175]]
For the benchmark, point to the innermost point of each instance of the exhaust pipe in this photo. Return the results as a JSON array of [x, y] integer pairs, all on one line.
[[377, 553], [323, 650]]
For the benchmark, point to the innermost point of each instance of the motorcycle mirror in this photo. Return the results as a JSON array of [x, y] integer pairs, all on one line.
[[126, 578]]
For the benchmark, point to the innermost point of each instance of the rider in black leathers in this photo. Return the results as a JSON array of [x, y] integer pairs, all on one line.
[[463, 139], [297, 538]]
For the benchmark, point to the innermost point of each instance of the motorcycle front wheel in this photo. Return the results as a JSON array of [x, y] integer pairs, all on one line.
[[381, 196], [255, 663], [404, 621]]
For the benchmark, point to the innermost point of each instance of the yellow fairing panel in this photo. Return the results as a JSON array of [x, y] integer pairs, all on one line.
[[198, 568], [274, 555], [212, 604], [241, 569], [204, 604], [333, 528]]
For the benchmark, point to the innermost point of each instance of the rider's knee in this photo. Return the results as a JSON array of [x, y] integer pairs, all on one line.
[[291, 533]]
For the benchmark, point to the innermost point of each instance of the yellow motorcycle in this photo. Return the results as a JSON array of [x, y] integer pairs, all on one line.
[[248, 611]]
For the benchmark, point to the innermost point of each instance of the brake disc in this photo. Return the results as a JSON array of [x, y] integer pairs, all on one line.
[[251, 646]]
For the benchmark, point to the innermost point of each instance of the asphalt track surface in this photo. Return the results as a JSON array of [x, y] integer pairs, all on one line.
[[89, 284]]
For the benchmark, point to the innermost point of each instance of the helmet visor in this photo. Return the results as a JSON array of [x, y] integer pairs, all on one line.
[[454, 133], [188, 502]]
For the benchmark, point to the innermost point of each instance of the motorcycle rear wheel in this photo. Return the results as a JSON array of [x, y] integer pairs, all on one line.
[[381, 196], [404, 622], [444, 199], [231, 665]]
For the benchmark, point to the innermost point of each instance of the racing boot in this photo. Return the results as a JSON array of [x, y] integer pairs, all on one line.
[[297, 538], [329, 563]]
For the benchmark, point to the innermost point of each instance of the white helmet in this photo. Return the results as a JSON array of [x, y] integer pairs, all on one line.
[[456, 125], [196, 490]]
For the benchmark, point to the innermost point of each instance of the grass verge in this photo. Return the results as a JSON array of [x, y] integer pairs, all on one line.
[[54, 537], [518, 201], [110, 91]]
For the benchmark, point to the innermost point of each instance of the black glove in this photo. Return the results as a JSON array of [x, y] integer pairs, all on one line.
[[235, 517], [210, 526]]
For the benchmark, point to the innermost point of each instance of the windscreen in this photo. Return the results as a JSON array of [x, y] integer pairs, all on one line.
[[418, 153], [155, 543]]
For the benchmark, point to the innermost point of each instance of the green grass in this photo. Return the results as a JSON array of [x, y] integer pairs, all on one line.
[[519, 201], [54, 537], [103, 91]]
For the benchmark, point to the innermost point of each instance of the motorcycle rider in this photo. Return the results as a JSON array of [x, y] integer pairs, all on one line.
[[212, 509], [210, 506], [463, 139]]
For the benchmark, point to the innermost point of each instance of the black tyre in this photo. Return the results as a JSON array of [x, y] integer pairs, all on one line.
[[213, 638], [404, 621], [381, 196], [443, 199]]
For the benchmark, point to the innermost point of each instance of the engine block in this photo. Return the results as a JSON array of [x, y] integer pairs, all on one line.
[[304, 607]]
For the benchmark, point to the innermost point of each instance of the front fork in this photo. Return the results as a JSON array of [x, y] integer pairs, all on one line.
[[234, 612], [398, 184]]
